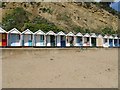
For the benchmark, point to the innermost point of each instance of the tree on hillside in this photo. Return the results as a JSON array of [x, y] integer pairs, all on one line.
[[15, 19]]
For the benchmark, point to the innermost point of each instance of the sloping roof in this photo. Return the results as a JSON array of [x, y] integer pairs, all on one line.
[[87, 35], [50, 33], [79, 34], [14, 30], [111, 37], [61, 33], [27, 31], [93, 35], [115, 37], [2, 30], [70, 34], [100, 36], [39, 32], [106, 36]]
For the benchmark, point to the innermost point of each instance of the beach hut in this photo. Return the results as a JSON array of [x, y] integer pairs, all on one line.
[[119, 41], [3, 38], [93, 39], [106, 41], [27, 38], [79, 39], [86, 40], [70, 39], [99, 41], [111, 41], [14, 37], [116, 41], [39, 38], [61, 39], [50, 39]]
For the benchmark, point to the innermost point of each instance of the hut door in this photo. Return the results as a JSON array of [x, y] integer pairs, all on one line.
[[111, 42], [41, 39], [115, 42], [52, 40], [71, 40], [63, 41], [30, 40], [0, 39], [119, 42], [79, 40], [93, 40]]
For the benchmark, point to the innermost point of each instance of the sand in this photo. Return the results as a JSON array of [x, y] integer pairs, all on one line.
[[60, 68]]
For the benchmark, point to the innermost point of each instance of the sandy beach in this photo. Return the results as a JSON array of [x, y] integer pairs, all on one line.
[[60, 68]]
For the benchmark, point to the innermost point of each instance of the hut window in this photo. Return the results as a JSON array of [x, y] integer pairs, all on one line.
[[105, 40]]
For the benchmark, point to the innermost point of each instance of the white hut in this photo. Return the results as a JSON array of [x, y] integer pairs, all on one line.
[[39, 38], [86, 40], [99, 40], [3, 37], [27, 38], [116, 41], [70, 39], [93, 39], [79, 39], [50, 38], [61, 39], [119, 42], [111, 41], [106, 41], [14, 37]]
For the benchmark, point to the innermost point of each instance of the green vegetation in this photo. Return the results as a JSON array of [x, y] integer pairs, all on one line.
[[15, 19], [43, 24], [78, 29], [19, 19], [48, 10], [107, 30]]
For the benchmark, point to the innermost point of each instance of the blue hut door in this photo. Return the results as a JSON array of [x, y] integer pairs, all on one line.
[[30, 40], [62, 41], [115, 42], [119, 42], [41, 40], [111, 42]]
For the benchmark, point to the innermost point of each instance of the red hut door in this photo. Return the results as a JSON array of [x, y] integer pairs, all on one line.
[[4, 39]]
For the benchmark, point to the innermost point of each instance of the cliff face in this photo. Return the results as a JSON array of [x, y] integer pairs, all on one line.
[[69, 15]]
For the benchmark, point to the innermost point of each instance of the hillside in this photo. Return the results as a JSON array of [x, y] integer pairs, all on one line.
[[58, 16]]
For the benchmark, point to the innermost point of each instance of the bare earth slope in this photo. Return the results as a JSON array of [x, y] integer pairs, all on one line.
[[38, 68]]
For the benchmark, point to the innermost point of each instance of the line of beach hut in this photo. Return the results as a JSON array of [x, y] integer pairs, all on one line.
[[51, 39]]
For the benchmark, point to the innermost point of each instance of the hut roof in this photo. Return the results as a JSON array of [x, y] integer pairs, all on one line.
[[87, 35], [39, 32], [111, 37], [27, 31], [61, 33], [2, 30], [50, 33], [14, 30], [106, 36], [93, 35], [79, 34], [115, 37], [100, 36], [70, 34]]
